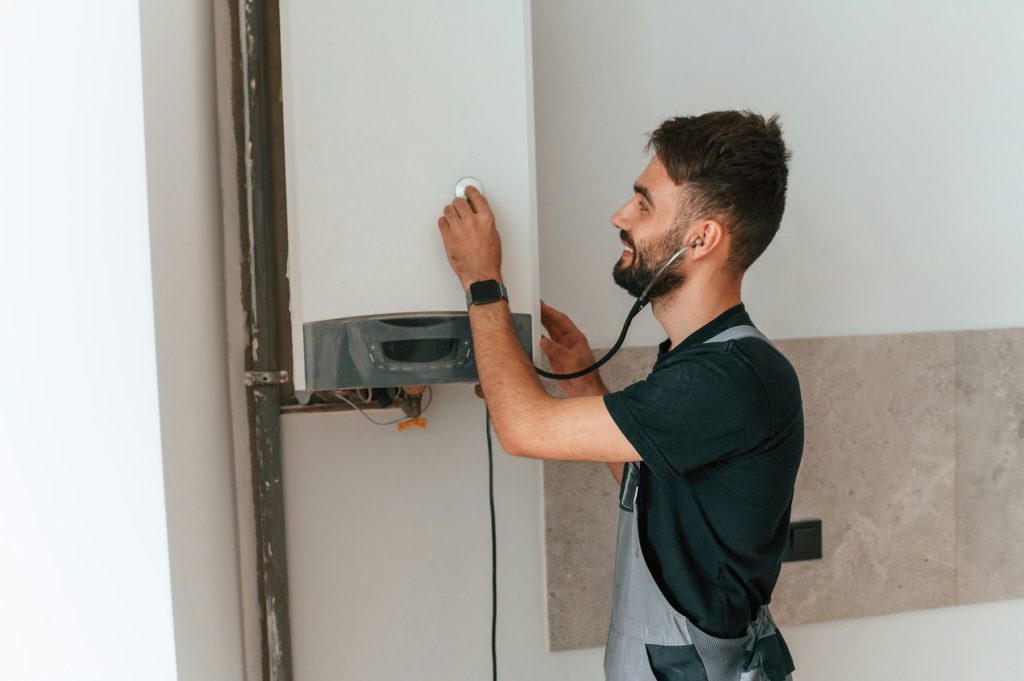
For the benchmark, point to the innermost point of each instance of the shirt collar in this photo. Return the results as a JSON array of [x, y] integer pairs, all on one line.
[[734, 316]]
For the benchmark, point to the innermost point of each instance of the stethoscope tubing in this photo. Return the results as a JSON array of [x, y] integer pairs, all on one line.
[[640, 303]]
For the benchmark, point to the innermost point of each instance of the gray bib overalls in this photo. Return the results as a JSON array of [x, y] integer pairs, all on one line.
[[649, 640]]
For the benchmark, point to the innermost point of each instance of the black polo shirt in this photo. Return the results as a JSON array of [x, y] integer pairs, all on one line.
[[720, 429]]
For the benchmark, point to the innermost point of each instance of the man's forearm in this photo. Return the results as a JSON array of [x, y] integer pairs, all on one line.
[[527, 420], [509, 381]]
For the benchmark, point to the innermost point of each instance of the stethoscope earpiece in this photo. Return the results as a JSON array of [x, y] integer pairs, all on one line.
[[698, 242]]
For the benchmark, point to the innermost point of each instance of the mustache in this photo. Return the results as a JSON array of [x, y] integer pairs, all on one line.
[[625, 237]]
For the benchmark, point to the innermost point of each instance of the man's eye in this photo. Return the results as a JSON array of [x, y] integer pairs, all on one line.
[[643, 208]]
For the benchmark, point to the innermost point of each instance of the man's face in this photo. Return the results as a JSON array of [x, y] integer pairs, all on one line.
[[650, 233]]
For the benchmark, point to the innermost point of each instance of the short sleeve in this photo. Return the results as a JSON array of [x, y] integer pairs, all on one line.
[[693, 413]]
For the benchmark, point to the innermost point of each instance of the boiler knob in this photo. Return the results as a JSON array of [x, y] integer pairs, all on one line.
[[460, 186]]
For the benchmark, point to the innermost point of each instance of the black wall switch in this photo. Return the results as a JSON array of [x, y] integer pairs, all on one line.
[[804, 541]]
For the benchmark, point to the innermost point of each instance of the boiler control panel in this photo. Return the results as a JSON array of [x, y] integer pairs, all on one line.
[[380, 351]]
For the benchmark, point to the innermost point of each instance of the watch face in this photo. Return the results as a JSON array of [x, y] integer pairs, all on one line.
[[485, 291]]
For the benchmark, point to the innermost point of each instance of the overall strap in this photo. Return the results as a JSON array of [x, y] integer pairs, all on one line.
[[740, 331]]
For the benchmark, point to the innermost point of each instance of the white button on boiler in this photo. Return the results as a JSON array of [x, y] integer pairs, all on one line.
[[460, 186]]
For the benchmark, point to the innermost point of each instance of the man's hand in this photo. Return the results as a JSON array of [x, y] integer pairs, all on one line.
[[568, 350], [527, 420], [471, 238]]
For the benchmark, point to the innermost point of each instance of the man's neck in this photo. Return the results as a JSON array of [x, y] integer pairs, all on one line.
[[693, 305]]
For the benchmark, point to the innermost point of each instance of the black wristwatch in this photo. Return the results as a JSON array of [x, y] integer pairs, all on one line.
[[486, 291]]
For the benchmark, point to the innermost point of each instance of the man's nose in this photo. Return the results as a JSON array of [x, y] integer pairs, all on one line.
[[618, 219]]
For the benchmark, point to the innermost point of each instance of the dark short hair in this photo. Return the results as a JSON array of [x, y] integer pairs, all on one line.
[[731, 166]]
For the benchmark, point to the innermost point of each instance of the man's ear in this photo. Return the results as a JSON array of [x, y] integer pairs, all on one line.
[[713, 236]]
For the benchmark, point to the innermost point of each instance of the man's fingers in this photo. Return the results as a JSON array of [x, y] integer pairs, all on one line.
[[548, 323], [552, 349], [477, 200], [462, 207], [562, 358], [557, 322]]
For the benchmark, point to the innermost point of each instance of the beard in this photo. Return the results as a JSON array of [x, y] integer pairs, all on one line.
[[638, 274]]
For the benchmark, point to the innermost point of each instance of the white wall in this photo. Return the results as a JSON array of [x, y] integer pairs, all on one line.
[[902, 214], [390, 556], [84, 584], [903, 119], [979, 642], [188, 284]]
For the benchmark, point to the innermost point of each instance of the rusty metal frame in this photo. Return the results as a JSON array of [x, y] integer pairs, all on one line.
[[253, 188]]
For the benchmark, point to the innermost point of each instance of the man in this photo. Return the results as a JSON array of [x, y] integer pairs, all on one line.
[[707, 447]]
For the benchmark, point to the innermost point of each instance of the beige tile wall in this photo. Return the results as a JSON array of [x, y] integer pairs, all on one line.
[[990, 465], [913, 460]]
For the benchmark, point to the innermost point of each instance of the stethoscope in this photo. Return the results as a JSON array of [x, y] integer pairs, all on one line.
[[640, 303]]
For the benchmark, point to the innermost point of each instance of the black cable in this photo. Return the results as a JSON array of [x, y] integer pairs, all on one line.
[[494, 550]]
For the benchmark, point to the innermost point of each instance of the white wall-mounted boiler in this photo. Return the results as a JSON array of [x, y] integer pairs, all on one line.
[[386, 106]]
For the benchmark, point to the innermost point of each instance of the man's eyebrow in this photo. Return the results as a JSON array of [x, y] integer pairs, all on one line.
[[642, 190]]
